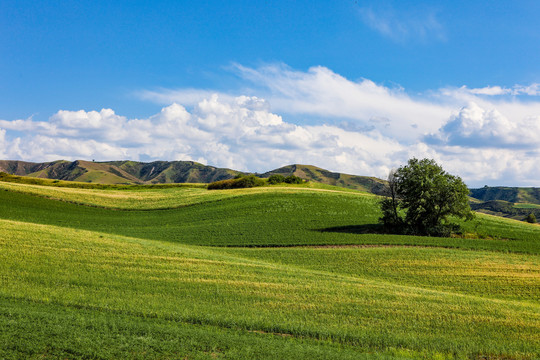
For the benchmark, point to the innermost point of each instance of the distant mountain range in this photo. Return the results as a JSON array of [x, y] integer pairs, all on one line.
[[529, 195], [119, 172], [163, 172], [512, 202]]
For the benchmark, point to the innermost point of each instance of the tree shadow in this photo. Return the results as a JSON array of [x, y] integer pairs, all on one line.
[[355, 229]]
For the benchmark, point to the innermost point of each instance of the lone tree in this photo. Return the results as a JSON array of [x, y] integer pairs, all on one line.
[[421, 197]]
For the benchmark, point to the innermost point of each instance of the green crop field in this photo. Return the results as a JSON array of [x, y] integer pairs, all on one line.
[[298, 272], [527, 206]]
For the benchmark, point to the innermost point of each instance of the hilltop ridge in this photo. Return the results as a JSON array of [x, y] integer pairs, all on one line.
[[317, 174], [164, 172], [119, 172], [167, 172]]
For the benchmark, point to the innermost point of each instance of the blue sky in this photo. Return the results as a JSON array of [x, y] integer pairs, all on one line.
[[352, 86]]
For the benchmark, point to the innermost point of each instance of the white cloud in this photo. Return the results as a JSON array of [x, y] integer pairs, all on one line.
[[187, 96], [241, 134], [491, 166], [516, 90], [476, 127], [3, 144], [486, 135], [321, 93], [489, 90], [363, 105], [481, 133], [403, 26], [532, 90]]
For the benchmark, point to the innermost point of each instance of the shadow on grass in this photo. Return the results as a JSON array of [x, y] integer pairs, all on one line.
[[356, 229]]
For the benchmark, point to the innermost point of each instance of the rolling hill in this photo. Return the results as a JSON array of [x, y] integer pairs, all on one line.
[[294, 272], [313, 173], [511, 202], [119, 172], [164, 172], [168, 172], [528, 195]]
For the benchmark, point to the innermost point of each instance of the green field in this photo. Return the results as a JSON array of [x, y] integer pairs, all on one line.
[[527, 206], [262, 273]]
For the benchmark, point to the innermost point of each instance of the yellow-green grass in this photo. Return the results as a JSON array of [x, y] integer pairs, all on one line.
[[4, 177], [100, 281], [137, 198], [242, 290], [526, 206], [102, 177], [491, 226], [151, 197], [481, 273]]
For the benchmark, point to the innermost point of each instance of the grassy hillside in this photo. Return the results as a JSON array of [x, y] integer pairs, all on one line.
[[161, 172], [509, 194], [313, 173], [503, 208], [16, 167], [183, 272], [511, 202], [119, 172], [245, 217]]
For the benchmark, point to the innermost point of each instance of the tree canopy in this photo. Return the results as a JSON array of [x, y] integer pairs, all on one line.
[[422, 197]]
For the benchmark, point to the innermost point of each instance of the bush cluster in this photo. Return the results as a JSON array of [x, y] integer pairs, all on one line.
[[276, 179], [246, 181], [280, 179]]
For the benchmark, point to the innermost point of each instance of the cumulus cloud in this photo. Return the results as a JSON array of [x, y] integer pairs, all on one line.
[[474, 126], [320, 92], [490, 166], [241, 133], [486, 135], [481, 133]]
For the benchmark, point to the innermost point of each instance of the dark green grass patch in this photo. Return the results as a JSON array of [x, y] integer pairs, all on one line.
[[262, 219], [84, 185]]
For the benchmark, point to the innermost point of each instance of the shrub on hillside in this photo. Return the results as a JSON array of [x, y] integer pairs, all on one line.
[[531, 218], [276, 179], [249, 181], [237, 183], [292, 179]]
